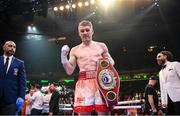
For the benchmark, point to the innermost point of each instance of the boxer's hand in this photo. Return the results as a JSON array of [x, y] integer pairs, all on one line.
[[64, 52], [111, 61], [164, 106]]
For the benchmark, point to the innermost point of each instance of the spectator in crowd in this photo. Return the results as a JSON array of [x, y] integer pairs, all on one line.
[[151, 97], [36, 100], [28, 104], [54, 101], [46, 100]]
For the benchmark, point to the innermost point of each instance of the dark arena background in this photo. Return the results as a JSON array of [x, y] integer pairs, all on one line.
[[133, 30]]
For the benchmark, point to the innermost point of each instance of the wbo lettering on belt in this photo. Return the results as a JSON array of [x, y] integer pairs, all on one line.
[[108, 82]]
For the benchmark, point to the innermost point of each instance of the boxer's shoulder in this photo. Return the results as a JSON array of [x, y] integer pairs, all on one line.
[[101, 44], [75, 49]]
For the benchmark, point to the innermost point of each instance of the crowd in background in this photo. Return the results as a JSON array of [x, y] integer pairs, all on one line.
[[66, 96], [44, 97]]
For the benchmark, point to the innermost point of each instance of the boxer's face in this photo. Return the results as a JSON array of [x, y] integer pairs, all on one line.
[[9, 48], [161, 59], [86, 33]]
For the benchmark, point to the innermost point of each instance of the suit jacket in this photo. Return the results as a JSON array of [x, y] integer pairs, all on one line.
[[170, 82], [54, 103], [13, 84]]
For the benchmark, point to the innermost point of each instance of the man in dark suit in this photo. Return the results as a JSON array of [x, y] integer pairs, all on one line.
[[12, 81], [54, 101]]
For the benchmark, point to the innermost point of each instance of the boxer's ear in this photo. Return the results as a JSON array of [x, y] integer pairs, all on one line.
[[92, 32]]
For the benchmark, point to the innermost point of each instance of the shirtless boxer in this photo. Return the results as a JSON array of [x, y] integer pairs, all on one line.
[[86, 56]]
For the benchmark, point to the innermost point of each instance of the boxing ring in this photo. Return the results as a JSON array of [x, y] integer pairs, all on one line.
[[132, 106]]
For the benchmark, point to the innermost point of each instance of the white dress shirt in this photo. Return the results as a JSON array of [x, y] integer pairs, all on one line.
[[46, 100], [10, 60]]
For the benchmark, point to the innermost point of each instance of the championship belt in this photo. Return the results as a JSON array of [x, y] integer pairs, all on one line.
[[108, 82]]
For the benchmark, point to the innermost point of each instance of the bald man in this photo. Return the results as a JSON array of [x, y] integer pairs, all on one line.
[[12, 81]]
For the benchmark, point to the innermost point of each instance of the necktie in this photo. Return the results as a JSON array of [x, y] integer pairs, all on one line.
[[6, 65], [164, 66]]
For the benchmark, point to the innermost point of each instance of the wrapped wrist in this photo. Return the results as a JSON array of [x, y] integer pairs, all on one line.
[[111, 61], [64, 59]]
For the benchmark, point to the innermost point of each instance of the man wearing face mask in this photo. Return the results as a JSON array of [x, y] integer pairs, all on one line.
[[169, 77], [86, 56], [12, 81]]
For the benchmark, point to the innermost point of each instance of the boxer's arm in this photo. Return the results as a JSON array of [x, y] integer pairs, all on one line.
[[107, 55], [110, 59], [69, 65]]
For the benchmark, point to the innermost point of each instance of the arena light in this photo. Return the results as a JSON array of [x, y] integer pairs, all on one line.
[[61, 8], [68, 81], [80, 4], [106, 2], [44, 81], [151, 48], [29, 28], [107, 5], [28, 81], [92, 1], [73, 6], [86, 3], [34, 28], [33, 33], [55, 8], [67, 6], [156, 4]]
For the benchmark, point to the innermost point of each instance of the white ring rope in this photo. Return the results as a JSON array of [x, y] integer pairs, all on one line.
[[115, 107], [128, 107], [68, 106], [65, 109], [130, 102]]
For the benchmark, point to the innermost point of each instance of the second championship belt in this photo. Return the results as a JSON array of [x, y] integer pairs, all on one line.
[[108, 82]]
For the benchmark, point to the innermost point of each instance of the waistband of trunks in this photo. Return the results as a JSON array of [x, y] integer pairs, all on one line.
[[87, 75]]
